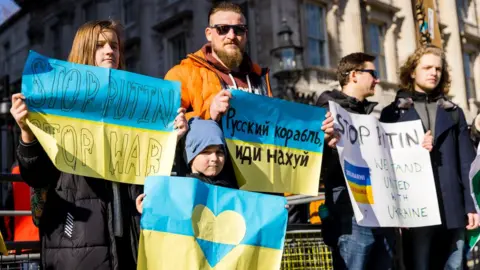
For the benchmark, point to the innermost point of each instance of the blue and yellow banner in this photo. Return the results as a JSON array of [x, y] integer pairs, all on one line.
[[275, 145], [360, 183], [188, 224], [99, 122]]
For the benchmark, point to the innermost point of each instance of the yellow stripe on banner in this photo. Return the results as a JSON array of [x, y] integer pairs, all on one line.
[[165, 251], [3, 247], [362, 194], [102, 150], [274, 168]]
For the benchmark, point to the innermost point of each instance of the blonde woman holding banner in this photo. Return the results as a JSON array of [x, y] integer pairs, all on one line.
[[86, 223]]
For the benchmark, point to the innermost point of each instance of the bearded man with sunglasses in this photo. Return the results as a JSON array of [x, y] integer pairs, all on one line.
[[219, 65], [353, 246]]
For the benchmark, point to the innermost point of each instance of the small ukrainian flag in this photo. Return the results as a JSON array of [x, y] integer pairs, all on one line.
[[358, 179], [188, 224]]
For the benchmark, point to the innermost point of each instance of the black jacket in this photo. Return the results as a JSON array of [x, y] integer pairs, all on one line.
[[475, 133], [451, 156], [76, 226], [336, 193], [217, 181]]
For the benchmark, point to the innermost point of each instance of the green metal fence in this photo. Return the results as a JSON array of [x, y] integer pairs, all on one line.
[[305, 249]]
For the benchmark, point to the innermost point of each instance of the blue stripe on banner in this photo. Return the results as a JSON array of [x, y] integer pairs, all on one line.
[[170, 201], [214, 252], [358, 175], [99, 94], [260, 119]]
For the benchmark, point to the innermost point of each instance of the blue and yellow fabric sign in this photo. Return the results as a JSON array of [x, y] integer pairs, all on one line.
[[99, 122], [360, 184], [188, 224], [275, 145]]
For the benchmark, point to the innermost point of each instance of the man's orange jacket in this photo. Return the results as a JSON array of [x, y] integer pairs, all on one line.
[[200, 83]]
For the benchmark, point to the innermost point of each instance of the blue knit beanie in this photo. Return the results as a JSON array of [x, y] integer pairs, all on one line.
[[202, 134]]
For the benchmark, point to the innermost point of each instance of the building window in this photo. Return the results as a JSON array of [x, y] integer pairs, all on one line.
[[89, 11], [468, 64], [128, 11], [375, 47], [132, 57], [131, 63], [178, 49], [57, 40], [467, 10], [316, 35]]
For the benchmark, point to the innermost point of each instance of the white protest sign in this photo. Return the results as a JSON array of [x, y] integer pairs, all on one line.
[[388, 173]]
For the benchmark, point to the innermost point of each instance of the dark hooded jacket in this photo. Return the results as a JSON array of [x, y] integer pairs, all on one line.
[[76, 226], [217, 181], [337, 199], [452, 152]]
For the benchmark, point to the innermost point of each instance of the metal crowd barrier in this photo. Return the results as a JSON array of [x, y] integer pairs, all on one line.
[[304, 247], [301, 199], [22, 255]]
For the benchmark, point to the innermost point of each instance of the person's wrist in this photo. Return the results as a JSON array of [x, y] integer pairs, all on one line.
[[27, 136], [214, 115]]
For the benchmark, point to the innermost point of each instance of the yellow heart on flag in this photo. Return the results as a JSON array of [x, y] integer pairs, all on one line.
[[228, 227]]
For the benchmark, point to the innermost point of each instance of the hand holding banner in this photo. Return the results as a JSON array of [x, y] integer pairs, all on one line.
[[275, 145], [388, 173], [99, 122], [188, 224]]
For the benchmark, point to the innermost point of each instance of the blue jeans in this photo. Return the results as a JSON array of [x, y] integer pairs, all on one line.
[[363, 247], [434, 247], [30, 266]]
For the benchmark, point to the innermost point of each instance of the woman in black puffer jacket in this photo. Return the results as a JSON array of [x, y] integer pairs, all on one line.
[[86, 223]]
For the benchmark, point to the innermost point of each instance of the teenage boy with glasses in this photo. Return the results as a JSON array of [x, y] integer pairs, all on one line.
[[353, 246]]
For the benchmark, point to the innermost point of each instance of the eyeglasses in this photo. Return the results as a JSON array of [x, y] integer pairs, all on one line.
[[223, 29], [372, 72]]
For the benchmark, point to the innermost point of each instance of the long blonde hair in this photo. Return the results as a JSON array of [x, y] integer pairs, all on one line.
[[85, 42]]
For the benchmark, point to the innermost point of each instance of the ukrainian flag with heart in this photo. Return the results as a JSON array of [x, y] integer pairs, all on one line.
[[188, 224]]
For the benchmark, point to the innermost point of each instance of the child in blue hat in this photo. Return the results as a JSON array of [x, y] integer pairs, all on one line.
[[205, 151]]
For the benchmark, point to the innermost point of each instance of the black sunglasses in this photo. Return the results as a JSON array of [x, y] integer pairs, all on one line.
[[223, 29], [372, 72]]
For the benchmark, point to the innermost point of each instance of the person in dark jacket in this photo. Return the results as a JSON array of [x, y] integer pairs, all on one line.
[[205, 151], [425, 82], [475, 131], [353, 246], [86, 223]]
